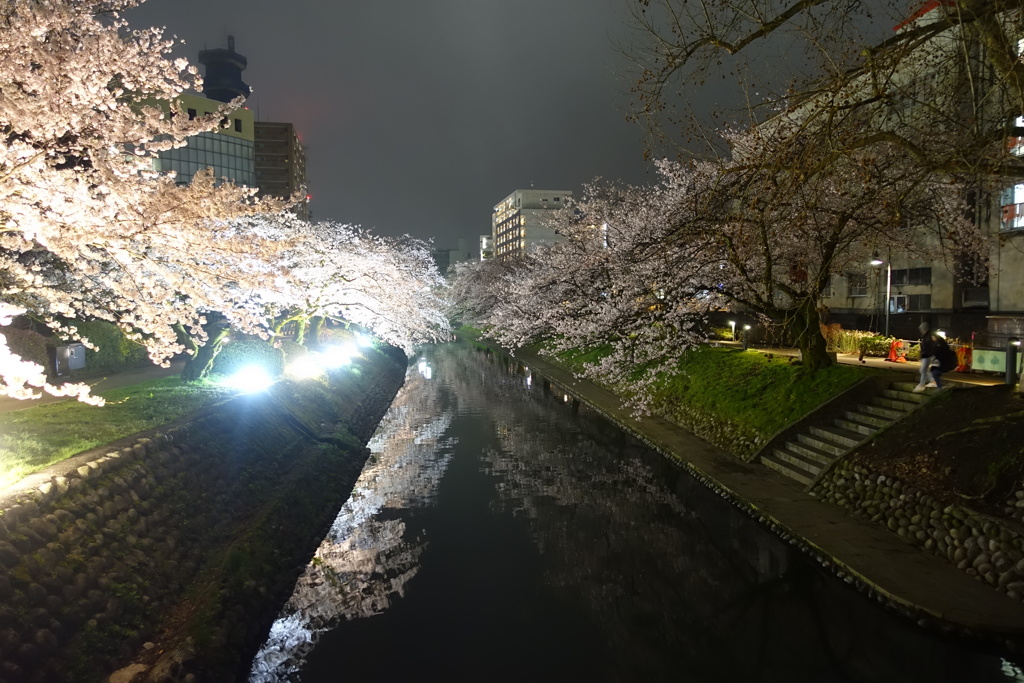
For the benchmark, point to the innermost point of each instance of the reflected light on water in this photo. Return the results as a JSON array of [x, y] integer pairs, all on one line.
[[366, 560]]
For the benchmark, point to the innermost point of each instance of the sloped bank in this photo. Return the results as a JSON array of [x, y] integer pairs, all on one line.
[[867, 556], [172, 551]]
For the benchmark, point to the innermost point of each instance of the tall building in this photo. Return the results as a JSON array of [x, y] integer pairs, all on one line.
[[446, 258], [260, 154], [947, 77], [228, 151], [223, 80], [519, 221], [280, 165]]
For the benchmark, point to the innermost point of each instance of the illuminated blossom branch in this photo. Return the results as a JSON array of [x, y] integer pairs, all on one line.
[[641, 267], [386, 285], [88, 228]]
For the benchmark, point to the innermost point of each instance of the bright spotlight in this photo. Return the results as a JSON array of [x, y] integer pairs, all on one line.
[[305, 367], [337, 356], [249, 379], [363, 340]]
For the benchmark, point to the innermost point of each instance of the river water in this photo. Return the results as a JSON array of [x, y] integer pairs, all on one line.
[[502, 532]]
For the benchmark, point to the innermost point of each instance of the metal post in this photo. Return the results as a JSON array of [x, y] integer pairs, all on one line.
[[1011, 361], [888, 294]]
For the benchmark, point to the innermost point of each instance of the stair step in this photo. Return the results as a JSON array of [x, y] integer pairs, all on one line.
[[786, 469], [843, 437], [866, 418], [903, 386], [903, 406], [855, 426], [891, 414], [822, 444], [908, 396], [809, 452], [794, 459]]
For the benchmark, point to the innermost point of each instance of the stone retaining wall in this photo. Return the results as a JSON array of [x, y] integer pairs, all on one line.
[[984, 547], [176, 549]]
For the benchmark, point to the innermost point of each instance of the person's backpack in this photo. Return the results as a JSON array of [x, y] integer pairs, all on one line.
[[946, 356]]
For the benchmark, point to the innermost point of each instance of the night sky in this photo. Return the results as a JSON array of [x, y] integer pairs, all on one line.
[[418, 116]]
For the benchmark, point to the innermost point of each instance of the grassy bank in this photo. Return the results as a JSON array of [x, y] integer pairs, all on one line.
[[736, 399], [37, 437]]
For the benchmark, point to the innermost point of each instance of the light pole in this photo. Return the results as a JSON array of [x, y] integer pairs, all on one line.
[[877, 261], [732, 326]]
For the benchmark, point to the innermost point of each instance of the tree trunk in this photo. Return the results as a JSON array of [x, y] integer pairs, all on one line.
[[313, 337], [300, 331], [199, 363], [806, 325]]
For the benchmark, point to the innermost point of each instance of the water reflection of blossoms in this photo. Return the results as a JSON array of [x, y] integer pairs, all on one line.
[[366, 560]]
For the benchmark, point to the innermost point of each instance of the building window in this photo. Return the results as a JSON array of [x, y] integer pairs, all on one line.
[[238, 125], [1012, 203], [912, 276], [191, 113], [906, 303], [857, 284]]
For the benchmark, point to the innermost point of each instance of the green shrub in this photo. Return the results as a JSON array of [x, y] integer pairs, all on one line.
[[875, 345], [114, 350], [30, 345], [848, 341], [336, 335], [292, 349], [238, 353]]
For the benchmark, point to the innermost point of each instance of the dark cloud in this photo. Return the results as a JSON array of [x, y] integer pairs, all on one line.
[[418, 116]]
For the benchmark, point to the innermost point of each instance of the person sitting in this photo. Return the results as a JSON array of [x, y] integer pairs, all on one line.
[[943, 360]]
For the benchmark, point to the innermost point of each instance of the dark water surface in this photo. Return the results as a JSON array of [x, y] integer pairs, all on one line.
[[500, 532]]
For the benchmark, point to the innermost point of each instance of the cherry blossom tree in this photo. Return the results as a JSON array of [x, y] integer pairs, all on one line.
[[390, 286], [920, 69], [89, 228], [782, 216], [476, 289], [763, 230], [614, 282]]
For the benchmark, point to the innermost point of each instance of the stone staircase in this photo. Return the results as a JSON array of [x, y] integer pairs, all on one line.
[[812, 451]]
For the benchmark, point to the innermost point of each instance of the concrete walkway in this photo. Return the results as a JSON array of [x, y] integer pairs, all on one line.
[[922, 583], [912, 367]]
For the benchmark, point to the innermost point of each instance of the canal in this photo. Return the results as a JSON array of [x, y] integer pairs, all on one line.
[[502, 532]]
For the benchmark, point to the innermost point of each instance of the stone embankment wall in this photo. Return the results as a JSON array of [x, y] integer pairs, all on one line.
[[989, 549], [173, 552]]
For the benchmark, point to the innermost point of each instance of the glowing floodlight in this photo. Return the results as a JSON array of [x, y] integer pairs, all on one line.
[[364, 340], [306, 367], [338, 355], [250, 379]]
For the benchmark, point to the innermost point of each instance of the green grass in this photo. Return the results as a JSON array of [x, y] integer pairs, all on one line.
[[40, 436], [750, 389], [750, 395]]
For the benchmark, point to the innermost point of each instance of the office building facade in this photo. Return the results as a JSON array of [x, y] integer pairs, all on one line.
[[280, 164], [519, 222]]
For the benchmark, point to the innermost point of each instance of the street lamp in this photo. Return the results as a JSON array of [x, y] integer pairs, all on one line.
[[732, 327], [876, 261]]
